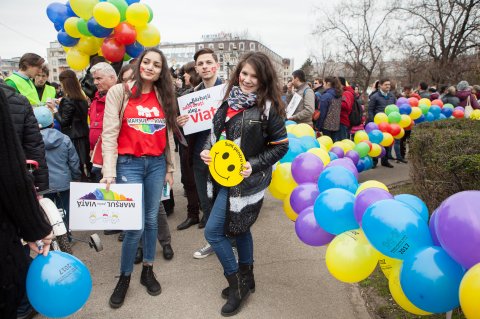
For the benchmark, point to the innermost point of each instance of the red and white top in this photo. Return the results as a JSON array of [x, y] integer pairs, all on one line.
[[143, 131]]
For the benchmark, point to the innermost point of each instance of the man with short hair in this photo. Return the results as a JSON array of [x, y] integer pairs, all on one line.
[[318, 86], [44, 90], [423, 90], [306, 106], [30, 65], [377, 104]]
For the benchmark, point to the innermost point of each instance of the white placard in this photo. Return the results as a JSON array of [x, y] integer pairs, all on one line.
[[93, 208], [292, 106], [201, 106]]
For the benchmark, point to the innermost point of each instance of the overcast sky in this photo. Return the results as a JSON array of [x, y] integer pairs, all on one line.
[[284, 26]]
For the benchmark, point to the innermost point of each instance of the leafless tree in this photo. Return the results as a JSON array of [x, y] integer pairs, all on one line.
[[325, 61], [360, 32]]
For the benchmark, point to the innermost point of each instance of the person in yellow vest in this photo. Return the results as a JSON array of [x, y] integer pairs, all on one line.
[[29, 66], [44, 90]]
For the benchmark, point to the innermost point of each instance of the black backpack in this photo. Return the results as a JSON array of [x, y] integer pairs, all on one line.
[[355, 116]]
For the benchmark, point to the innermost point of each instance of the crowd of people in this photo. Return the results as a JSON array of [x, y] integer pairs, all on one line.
[[82, 130]]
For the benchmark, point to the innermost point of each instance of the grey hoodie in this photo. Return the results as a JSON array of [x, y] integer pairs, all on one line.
[[62, 160]]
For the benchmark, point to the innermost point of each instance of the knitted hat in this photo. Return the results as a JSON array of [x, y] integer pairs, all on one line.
[[44, 116], [462, 86]]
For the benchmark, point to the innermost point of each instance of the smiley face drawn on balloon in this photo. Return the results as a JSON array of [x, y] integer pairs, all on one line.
[[227, 163]]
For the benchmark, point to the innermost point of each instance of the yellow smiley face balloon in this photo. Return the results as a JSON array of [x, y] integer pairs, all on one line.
[[227, 163]]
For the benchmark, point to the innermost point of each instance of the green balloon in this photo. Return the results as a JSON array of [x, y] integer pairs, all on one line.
[[122, 6], [362, 149], [391, 108], [394, 117], [82, 27], [126, 58], [448, 106], [424, 108], [149, 10]]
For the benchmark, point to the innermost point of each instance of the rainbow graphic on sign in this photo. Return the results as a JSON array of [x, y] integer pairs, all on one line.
[[103, 194]]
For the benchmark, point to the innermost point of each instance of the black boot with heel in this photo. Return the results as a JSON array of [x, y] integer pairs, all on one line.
[[247, 273], [238, 292]]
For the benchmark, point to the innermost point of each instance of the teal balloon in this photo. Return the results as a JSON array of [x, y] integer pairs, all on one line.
[[416, 203], [333, 210], [337, 177], [309, 142]]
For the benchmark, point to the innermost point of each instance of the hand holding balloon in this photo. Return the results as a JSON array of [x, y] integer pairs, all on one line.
[[45, 247]]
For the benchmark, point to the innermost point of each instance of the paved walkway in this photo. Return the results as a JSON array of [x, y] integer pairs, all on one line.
[[292, 279]]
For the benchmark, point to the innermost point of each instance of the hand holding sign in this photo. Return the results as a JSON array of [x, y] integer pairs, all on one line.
[[227, 163]]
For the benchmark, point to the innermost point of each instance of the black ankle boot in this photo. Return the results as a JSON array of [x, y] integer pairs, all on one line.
[[118, 296], [238, 292], [148, 280], [247, 272]]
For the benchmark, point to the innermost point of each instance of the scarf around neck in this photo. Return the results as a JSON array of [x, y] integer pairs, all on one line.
[[237, 100]]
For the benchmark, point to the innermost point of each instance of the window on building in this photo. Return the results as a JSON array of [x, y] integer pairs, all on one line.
[[231, 46], [211, 46], [221, 46], [252, 46], [200, 46], [54, 70], [241, 46]]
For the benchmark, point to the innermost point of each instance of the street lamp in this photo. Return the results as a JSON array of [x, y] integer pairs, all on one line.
[[230, 58]]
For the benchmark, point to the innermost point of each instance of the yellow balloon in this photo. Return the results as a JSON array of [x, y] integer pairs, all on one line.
[[83, 8], [360, 136], [289, 128], [380, 118], [282, 179], [350, 145], [400, 135], [470, 292], [138, 14], [405, 121], [287, 208], [398, 294], [106, 14], [148, 36], [475, 115], [416, 113], [371, 184], [325, 141], [88, 45], [71, 28], [387, 139], [66, 49], [375, 151], [387, 263], [303, 130], [425, 101], [275, 193], [350, 257], [77, 60], [322, 154]]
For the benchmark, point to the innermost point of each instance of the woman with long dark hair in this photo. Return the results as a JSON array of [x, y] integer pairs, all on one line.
[[137, 146], [72, 114], [330, 107], [252, 116]]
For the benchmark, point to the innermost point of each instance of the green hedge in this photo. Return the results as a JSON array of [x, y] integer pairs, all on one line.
[[445, 158]]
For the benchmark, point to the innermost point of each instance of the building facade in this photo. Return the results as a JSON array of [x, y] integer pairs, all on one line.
[[7, 66], [57, 61]]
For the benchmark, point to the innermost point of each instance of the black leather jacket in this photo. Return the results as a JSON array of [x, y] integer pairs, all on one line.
[[72, 116]]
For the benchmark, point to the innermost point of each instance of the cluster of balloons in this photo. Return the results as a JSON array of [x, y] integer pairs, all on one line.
[[116, 29]]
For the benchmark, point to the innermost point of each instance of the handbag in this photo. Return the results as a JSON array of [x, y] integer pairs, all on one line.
[[468, 107], [332, 119]]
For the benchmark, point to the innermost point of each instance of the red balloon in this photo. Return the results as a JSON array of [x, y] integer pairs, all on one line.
[[396, 129], [125, 33], [369, 144], [438, 102], [113, 51], [385, 127], [458, 114], [413, 101]]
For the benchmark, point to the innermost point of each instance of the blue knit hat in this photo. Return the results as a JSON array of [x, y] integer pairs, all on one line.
[[44, 116]]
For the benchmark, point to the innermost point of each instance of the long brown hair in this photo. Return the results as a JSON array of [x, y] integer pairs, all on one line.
[[164, 86], [71, 86], [335, 84], [269, 88]]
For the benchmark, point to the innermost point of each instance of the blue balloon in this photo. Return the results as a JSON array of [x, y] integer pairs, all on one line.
[[132, 1], [333, 210], [395, 229], [295, 147], [375, 136], [333, 156], [337, 177], [447, 112], [97, 30], [58, 26], [57, 12], [309, 142], [290, 122], [435, 110], [134, 50], [405, 109], [417, 204], [430, 279], [360, 166], [60, 278], [442, 117], [429, 117], [66, 40], [70, 12], [420, 119], [368, 162]]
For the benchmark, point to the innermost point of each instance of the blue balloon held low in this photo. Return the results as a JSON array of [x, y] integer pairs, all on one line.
[[337, 177], [66, 40], [333, 211], [447, 112], [430, 279], [421, 119], [134, 50], [58, 285], [375, 136], [360, 165], [97, 30], [405, 109], [295, 148], [412, 200], [309, 142], [435, 110], [430, 117]]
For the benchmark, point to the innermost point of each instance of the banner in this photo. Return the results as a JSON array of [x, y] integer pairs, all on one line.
[[292, 106], [93, 208], [200, 106]]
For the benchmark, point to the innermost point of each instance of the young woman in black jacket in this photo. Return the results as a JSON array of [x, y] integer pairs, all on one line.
[[72, 115], [252, 116]]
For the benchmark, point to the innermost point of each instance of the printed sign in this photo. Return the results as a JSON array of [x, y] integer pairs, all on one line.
[[227, 163], [292, 106], [93, 208], [200, 106]]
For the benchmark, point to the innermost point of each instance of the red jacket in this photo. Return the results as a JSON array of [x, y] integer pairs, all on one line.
[[348, 98], [96, 111]]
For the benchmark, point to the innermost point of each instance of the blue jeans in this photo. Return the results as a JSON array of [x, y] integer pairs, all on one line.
[[215, 235], [149, 171], [396, 147]]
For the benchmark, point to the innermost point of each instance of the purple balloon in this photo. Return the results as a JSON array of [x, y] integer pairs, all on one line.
[[337, 151], [353, 155], [306, 168], [402, 100], [345, 163], [308, 230], [431, 226], [370, 127], [303, 195], [383, 152], [458, 227], [366, 198]]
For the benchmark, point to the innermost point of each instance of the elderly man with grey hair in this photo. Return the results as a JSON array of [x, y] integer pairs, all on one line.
[[465, 95]]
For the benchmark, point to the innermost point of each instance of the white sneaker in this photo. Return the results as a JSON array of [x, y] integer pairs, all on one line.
[[203, 252]]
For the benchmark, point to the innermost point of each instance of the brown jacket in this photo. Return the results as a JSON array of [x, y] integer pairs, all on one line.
[[115, 106]]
